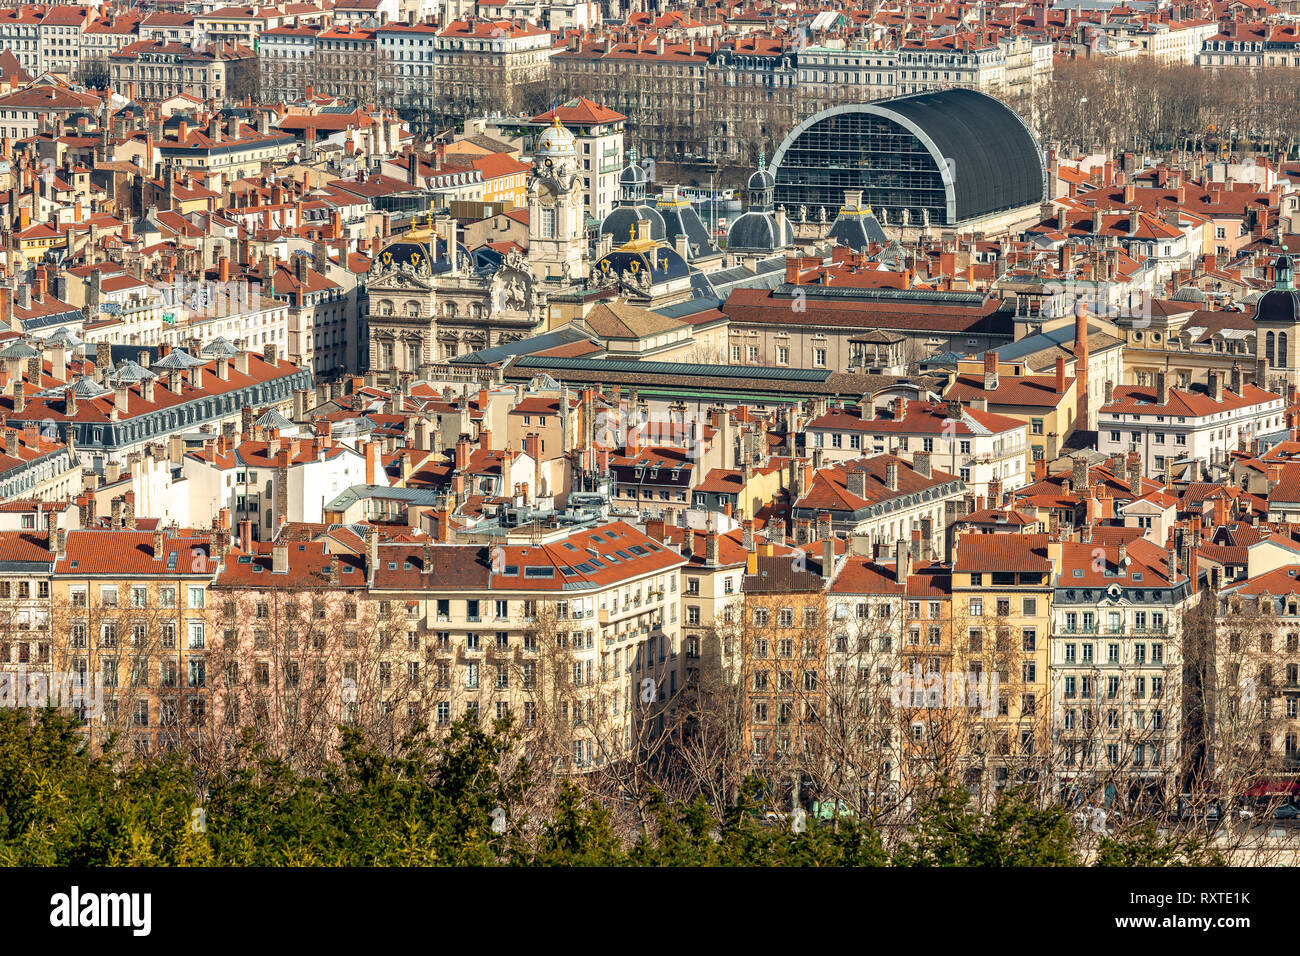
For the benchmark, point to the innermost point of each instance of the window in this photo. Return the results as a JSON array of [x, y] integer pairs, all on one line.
[[196, 597]]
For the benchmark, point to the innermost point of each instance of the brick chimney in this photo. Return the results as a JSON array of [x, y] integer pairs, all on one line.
[[921, 464], [1081, 364]]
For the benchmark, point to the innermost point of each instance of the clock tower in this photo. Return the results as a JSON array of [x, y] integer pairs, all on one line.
[[557, 239]]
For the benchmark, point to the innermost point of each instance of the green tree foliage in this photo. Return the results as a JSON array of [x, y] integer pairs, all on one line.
[[1144, 846], [59, 807], [1014, 832], [433, 804]]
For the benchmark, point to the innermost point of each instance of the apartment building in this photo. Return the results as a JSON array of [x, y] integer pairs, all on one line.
[[598, 141], [882, 498], [578, 636], [287, 61], [60, 38], [1117, 664], [33, 465], [159, 69], [26, 566], [485, 65], [180, 391], [1002, 616], [296, 650], [1256, 720], [782, 657], [20, 34], [271, 481], [974, 444], [1168, 425], [130, 608]]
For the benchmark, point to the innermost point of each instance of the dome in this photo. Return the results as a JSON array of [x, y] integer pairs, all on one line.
[[633, 174], [632, 183], [413, 249], [1282, 302], [762, 179], [759, 232], [662, 262], [554, 142], [621, 222]]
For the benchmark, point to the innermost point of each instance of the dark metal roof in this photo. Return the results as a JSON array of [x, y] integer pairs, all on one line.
[[998, 163], [985, 157], [758, 231], [857, 230], [704, 372], [564, 335], [621, 221]]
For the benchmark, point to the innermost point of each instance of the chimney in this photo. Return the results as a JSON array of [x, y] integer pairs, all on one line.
[[902, 561], [280, 558], [1060, 375], [891, 475], [921, 464], [1079, 476], [990, 370], [1162, 389], [747, 534], [1081, 364], [856, 482], [1216, 385], [372, 553]]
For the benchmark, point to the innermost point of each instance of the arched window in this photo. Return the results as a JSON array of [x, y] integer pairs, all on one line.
[[1283, 356], [1268, 350]]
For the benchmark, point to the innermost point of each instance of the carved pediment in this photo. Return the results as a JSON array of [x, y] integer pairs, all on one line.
[[400, 282]]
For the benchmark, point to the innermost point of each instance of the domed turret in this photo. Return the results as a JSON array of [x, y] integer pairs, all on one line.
[[761, 184], [760, 229], [620, 222], [555, 143], [632, 181], [1282, 302]]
